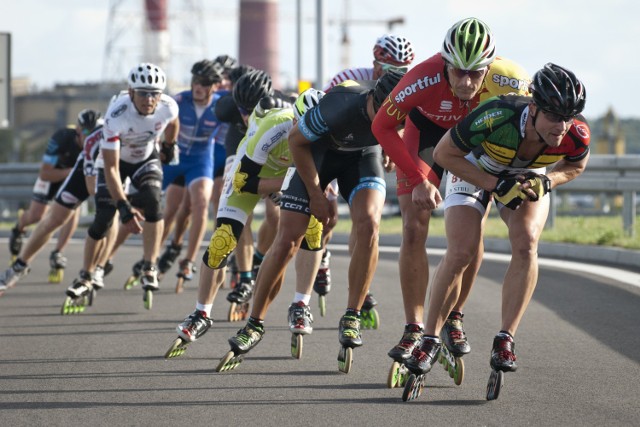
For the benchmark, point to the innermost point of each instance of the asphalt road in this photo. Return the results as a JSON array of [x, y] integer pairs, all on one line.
[[578, 352]]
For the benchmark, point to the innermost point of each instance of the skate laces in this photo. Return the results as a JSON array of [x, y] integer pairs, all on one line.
[[350, 326], [455, 331], [503, 348], [410, 337], [248, 335]]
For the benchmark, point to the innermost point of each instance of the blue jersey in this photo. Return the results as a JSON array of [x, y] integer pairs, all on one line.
[[194, 139]]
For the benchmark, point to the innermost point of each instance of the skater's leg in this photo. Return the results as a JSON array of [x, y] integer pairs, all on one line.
[[53, 220], [199, 193], [307, 264], [67, 230]]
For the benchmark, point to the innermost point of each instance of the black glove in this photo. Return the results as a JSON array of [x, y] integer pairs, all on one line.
[[508, 192], [169, 152], [126, 211], [275, 197], [540, 184]]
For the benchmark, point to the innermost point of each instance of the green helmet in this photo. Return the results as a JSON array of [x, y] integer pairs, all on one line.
[[469, 45]]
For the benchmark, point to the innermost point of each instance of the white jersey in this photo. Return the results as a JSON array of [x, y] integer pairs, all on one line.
[[135, 135], [355, 74]]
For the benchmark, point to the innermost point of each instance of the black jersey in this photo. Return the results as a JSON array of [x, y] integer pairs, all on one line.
[[227, 112], [62, 149], [341, 118]]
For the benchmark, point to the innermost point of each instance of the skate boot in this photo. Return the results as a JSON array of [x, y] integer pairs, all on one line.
[[98, 278], [58, 263], [149, 283], [108, 268], [300, 320], [168, 257], [453, 335], [349, 337], [244, 340], [78, 294], [134, 279], [13, 274], [322, 283], [257, 262], [503, 359], [15, 242], [187, 269], [193, 327], [370, 316], [423, 356], [239, 298], [398, 374]]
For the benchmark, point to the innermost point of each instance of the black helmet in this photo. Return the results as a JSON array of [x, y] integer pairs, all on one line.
[[88, 119], [558, 90], [250, 88], [226, 62], [239, 71], [206, 71], [384, 86]]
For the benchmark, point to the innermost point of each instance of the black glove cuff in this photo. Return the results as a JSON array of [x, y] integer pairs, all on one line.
[[126, 211]]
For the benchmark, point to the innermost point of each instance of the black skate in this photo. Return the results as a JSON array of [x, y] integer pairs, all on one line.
[[455, 346], [398, 374], [108, 268], [149, 283], [193, 327], [370, 317], [58, 263], [239, 298], [134, 279], [349, 337], [168, 257], [244, 340], [322, 283], [419, 363], [300, 320], [79, 295], [187, 269], [503, 359], [15, 241]]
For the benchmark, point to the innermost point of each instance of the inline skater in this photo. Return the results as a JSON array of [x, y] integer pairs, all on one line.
[[132, 131], [327, 143], [75, 189], [57, 162], [514, 139], [390, 52], [433, 97]]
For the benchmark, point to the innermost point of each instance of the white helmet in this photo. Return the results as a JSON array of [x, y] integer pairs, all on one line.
[[307, 100], [393, 50], [147, 76]]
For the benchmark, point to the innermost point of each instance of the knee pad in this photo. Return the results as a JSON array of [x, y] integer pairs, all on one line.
[[313, 236], [222, 243], [101, 222], [149, 199]]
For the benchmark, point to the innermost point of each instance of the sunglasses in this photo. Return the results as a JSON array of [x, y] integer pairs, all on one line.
[[557, 118], [201, 82], [389, 67], [473, 74], [147, 93]]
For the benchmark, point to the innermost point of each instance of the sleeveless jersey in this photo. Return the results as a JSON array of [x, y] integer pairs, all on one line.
[[495, 130], [135, 135]]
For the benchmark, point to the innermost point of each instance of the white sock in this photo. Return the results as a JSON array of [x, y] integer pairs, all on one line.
[[302, 297], [204, 307]]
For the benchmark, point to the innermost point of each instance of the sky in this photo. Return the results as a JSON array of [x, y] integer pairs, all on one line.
[[65, 41]]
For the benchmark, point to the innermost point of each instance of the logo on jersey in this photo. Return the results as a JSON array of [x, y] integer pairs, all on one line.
[[121, 109], [446, 105], [273, 140], [519, 85], [583, 130], [420, 84], [488, 119], [392, 110]]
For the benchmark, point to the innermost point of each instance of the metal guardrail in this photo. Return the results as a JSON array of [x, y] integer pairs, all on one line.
[[608, 174]]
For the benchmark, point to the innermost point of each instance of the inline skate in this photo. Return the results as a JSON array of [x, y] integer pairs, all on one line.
[[13, 274], [455, 346], [244, 340], [79, 294], [149, 283], [232, 269], [503, 359], [15, 240], [168, 257], [186, 272], [239, 298], [419, 364], [398, 374], [194, 326], [322, 283], [58, 263], [300, 320], [370, 317], [350, 338]]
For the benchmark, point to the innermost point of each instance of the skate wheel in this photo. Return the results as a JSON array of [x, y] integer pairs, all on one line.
[[322, 304], [458, 375], [56, 275], [147, 298], [244, 311], [233, 317], [413, 388], [495, 384], [345, 359], [180, 285], [296, 345], [177, 349], [229, 362], [131, 282], [393, 379], [91, 297]]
